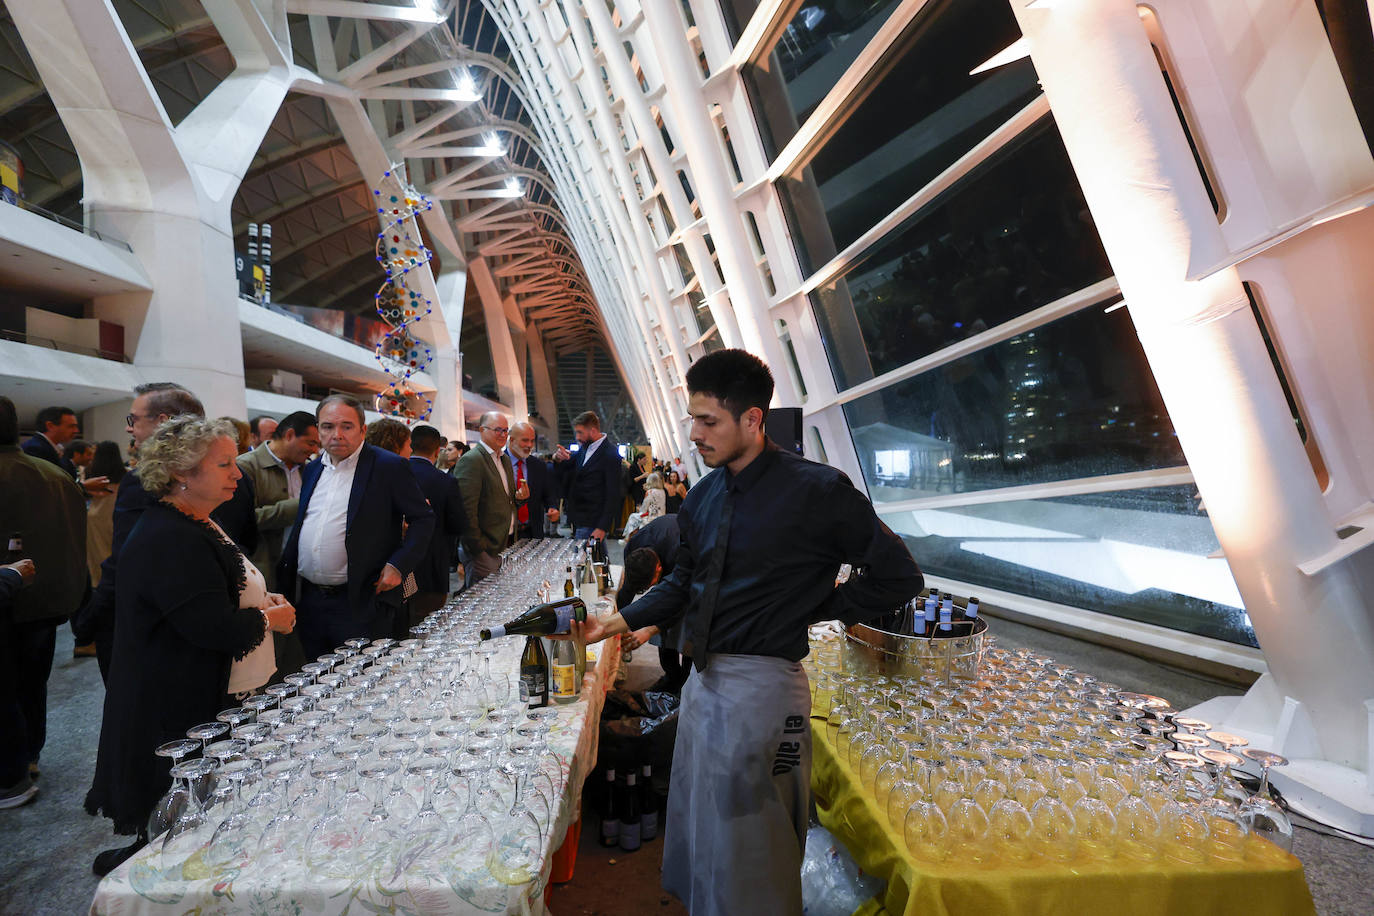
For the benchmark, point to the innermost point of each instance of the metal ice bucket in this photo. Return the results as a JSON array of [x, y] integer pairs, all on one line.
[[958, 656]]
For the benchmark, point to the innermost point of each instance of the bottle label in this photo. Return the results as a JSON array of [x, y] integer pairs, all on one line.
[[610, 829], [648, 825], [564, 680], [534, 687], [629, 836], [16, 545]]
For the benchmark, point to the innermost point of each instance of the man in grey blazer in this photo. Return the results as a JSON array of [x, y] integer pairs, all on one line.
[[490, 495]]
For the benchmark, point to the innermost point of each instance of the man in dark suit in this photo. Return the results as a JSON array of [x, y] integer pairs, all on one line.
[[57, 426], [590, 480], [446, 499], [542, 505], [346, 557]]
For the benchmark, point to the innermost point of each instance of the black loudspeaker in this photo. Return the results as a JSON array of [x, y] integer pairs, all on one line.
[[784, 426]]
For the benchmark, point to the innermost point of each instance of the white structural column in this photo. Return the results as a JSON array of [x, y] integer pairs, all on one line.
[[165, 190], [700, 138], [626, 88], [508, 383], [628, 222], [545, 405], [447, 368], [1151, 209], [626, 347]]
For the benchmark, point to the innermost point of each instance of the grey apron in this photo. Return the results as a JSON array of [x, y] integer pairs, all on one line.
[[737, 806]]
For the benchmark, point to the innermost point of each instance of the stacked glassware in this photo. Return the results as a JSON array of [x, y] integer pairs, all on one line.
[[384, 757], [1030, 761]]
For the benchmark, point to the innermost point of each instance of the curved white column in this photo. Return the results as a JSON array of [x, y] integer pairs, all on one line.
[[1152, 212]]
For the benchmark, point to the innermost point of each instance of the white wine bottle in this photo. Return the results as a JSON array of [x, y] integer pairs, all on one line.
[[564, 684], [541, 620]]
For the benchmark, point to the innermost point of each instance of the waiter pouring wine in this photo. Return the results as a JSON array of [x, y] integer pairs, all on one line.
[[763, 537]]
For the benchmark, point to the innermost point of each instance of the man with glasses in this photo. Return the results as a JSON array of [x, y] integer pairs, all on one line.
[[490, 497]]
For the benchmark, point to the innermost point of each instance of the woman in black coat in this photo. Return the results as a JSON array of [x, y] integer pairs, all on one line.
[[179, 627]]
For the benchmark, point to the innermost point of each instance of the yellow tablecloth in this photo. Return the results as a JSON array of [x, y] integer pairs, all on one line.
[[1121, 888]]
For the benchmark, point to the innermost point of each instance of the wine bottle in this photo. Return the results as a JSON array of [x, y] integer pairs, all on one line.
[[568, 588], [972, 611], [930, 611], [14, 551], [534, 673], [947, 616], [564, 684], [590, 589], [648, 805], [541, 620], [610, 820], [628, 808]]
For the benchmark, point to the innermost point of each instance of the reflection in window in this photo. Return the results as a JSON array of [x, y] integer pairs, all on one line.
[[813, 52], [1074, 398], [1012, 236], [1139, 554], [923, 114]]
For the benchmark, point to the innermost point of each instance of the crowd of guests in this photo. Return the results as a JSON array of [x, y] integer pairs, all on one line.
[[223, 554]]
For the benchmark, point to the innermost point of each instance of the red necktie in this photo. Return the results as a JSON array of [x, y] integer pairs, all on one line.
[[522, 515]]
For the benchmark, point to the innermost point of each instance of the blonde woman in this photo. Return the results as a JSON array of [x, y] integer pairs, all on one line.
[[192, 623]]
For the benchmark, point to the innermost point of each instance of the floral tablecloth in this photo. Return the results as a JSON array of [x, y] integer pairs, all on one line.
[[150, 884]]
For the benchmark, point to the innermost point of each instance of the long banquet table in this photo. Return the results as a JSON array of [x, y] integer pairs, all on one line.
[[147, 885]]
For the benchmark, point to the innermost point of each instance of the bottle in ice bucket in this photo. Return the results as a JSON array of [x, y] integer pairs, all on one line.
[[564, 683], [541, 620], [610, 821], [971, 612], [931, 609], [534, 673]]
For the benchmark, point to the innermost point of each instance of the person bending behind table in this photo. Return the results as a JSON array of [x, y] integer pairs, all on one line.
[[644, 567], [192, 623], [763, 537]]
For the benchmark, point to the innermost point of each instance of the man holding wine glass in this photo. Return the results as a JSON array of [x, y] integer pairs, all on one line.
[[763, 537]]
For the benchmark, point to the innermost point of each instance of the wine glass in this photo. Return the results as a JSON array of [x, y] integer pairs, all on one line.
[[1054, 833], [230, 843], [1265, 819], [169, 807], [180, 839], [1185, 829]]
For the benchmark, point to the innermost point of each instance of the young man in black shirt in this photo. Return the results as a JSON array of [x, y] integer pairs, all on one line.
[[763, 537]]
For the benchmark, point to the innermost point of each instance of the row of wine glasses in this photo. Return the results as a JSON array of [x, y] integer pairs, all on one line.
[[1030, 760], [384, 757]]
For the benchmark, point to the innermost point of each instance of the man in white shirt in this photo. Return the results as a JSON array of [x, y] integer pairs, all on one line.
[[346, 556], [490, 496]]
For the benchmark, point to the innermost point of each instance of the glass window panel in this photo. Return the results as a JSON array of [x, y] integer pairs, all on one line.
[[1139, 554], [922, 115], [1073, 398], [1012, 236], [813, 52]]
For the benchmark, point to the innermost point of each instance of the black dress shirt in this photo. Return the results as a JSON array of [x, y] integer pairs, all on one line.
[[794, 522]]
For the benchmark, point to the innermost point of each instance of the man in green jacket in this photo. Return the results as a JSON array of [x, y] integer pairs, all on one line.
[[490, 495], [275, 470], [45, 511]]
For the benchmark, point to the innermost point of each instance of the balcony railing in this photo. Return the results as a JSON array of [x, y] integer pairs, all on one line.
[[73, 224], [34, 340]]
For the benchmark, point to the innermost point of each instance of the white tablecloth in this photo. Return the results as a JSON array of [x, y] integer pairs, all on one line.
[[148, 885]]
